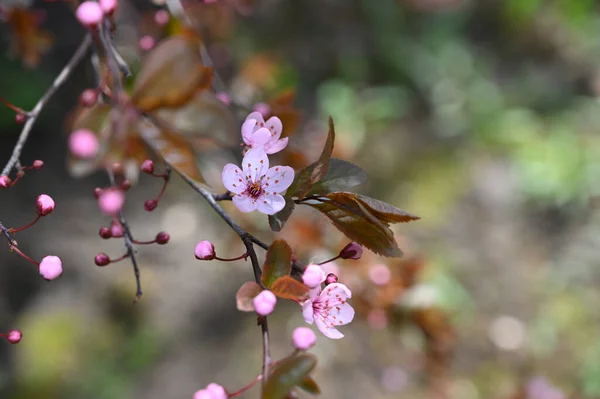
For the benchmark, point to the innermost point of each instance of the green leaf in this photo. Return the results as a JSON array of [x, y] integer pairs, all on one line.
[[309, 385], [287, 374], [363, 219], [315, 171], [278, 220], [278, 262], [287, 287], [341, 175], [246, 294]]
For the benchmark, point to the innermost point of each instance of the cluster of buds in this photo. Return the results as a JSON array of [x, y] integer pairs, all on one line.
[[148, 168], [6, 182]]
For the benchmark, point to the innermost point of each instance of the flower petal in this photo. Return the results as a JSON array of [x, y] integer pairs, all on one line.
[[244, 203], [308, 312], [275, 126], [247, 130], [275, 146], [233, 179], [255, 164], [343, 313], [314, 292], [260, 137], [270, 204], [328, 330], [337, 292], [278, 179], [258, 117]]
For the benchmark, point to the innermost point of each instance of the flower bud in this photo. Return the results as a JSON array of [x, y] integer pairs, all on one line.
[[205, 250], [331, 279], [148, 166], [108, 6], [50, 267], [150, 205], [125, 185], [116, 229], [83, 144], [38, 164], [264, 303], [20, 118], [162, 238], [351, 251], [88, 98], [98, 192], [101, 259], [161, 17], [147, 43], [5, 181], [212, 391], [105, 232], [89, 14], [223, 97], [14, 336], [44, 204], [313, 276], [303, 338], [111, 201]]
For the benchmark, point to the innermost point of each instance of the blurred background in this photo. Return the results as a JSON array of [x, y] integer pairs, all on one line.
[[478, 116]]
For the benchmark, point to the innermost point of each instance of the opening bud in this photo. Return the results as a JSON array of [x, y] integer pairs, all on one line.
[[44, 204], [264, 303], [50, 267], [351, 251], [331, 279], [313, 276], [205, 250]]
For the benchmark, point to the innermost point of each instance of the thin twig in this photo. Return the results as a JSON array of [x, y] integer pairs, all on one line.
[[34, 113]]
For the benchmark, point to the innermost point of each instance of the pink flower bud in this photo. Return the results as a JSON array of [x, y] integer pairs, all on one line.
[[351, 251], [162, 238], [84, 144], [116, 229], [212, 391], [89, 14], [5, 181], [98, 192], [108, 6], [205, 250], [223, 97], [88, 98], [111, 201], [313, 276], [380, 274], [20, 118], [331, 279], [150, 205], [161, 17], [264, 303], [14, 336], [125, 185], [105, 232], [101, 259], [264, 109], [44, 204], [147, 43], [303, 338], [38, 164], [148, 166], [50, 267]]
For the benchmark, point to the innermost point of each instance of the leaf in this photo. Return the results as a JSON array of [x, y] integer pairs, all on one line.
[[278, 262], [28, 40], [352, 215], [246, 294], [315, 171], [171, 74], [287, 287], [278, 220], [309, 385], [340, 176], [287, 374], [173, 148]]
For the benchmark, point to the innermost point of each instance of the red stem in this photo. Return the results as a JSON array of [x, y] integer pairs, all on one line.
[[329, 260], [119, 259], [18, 251], [244, 256], [13, 107], [244, 389], [144, 242], [12, 231]]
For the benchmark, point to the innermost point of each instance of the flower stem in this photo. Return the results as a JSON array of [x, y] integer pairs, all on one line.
[[244, 256], [12, 230], [18, 251]]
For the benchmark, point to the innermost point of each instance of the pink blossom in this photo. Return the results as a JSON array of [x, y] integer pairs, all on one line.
[[108, 6], [204, 250], [380, 274], [303, 338], [263, 109], [212, 391], [89, 14], [329, 309], [14, 336], [5, 181], [111, 201], [44, 204], [264, 303], [223, 97], [147, 42], [257, 133], [313, 276], [256, 186], [83, 143], [331, 278], [50, 267], [161, 17], [148, 166]]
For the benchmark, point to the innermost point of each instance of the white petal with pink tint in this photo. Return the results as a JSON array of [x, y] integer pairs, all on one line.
[[258, 117], [244, 203], [328, 330], [255, 164], [308, 312], [270, 204], [329, 310], [274, 147], [279, 178], [234, 179], [275, 127], [247, 130]]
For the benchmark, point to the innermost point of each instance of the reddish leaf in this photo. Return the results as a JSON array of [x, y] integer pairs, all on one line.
[[309, 385], [341, 175], [174, 149], [28, 41], [171, 74], [352, 215], [246, 294], [287, 374], [287, 287], [315, 171], [278, 262]]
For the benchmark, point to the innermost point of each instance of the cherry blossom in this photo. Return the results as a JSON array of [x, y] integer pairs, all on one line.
[[212, 391], [256, 186], [50, 267], [329, 309], [303, 338], [260, 134]]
